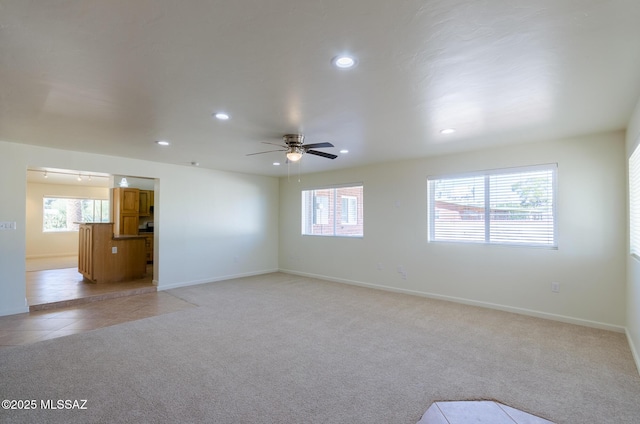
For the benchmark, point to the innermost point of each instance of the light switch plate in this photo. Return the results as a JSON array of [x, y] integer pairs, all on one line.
[[7, 225]]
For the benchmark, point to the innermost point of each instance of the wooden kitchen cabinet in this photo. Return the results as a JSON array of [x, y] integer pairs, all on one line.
[[145, 202], [125, 210]]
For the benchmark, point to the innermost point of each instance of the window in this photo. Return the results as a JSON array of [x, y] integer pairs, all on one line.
[[63, 213], [321, 210], [349, 210], [634, 203], [333, 211], [506, 206]]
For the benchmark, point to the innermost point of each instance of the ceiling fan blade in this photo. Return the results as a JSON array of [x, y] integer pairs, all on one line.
[[268, 151], [316, 145], [274, 144], [323, 154]]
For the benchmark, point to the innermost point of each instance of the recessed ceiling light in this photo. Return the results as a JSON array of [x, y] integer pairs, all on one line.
[[276, 163], [344, 62], [221, 116], [162, 143], [447, 131], [344, 151]]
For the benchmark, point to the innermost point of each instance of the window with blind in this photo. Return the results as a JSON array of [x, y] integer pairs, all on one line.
[[333, 211], [505, 206], [634, 203]]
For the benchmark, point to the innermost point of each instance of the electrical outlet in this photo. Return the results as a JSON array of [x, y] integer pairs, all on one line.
[[555, 287], [114, 249]]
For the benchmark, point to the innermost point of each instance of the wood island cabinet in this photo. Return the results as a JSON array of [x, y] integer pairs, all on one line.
[[105, 258]]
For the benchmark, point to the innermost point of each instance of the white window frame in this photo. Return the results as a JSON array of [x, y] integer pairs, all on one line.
[[487, 216], [321, 210], [73, 227], [634, 203], [310, 212], [352, 210]]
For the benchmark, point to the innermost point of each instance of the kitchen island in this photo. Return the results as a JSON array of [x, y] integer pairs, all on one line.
[[106, 258]]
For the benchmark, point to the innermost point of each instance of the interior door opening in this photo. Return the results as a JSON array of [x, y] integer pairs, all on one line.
[[58, 201]]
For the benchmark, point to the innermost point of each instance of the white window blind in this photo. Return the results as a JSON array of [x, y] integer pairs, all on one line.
[[634, 202], [506, 206], [333, 211]]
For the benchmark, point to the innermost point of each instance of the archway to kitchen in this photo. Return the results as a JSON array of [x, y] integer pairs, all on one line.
[[57, 199]]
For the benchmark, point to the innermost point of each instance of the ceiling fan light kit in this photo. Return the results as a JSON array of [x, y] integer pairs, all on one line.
[[294, 154]]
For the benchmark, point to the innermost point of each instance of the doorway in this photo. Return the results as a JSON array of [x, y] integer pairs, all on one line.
[[57, 199]]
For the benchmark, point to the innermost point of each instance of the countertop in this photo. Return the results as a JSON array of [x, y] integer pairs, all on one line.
[[128, 236]]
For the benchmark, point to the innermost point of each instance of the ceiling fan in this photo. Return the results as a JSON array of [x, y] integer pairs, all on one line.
[[295, 148]]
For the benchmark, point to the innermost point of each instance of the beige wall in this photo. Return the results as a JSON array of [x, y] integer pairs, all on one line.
[[40, 244], [633, 264], [589, 263]]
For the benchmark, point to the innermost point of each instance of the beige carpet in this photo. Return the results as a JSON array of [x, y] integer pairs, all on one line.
[[58, 262], [285, 349]]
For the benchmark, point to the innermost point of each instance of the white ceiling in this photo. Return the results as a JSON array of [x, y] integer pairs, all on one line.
[[111, 77]]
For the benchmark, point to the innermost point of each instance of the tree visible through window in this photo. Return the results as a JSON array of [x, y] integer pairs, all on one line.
[[507, 206], [335, 211], [63, 213]]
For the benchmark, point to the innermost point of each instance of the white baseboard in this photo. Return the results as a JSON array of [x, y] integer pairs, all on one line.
[[15, 311], [210, 280], [634, 351], [51, 255], [505, 308]]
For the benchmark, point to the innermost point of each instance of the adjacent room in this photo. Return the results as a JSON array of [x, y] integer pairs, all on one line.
[[60, 204], [324, 212]]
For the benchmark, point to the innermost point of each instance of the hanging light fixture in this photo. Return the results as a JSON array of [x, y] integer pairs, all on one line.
[[124, 182]]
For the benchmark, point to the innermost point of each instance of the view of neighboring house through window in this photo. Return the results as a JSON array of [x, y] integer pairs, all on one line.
[[333, 211], [63, 213], [506, 206]]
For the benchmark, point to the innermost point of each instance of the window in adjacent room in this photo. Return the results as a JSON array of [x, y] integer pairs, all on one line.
[[506, 206], [63, 213], [634, 203], [333, 211]]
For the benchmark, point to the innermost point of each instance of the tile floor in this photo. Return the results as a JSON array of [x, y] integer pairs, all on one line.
[[35, 326], [60, 285], [62, 303], [488, 412]]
